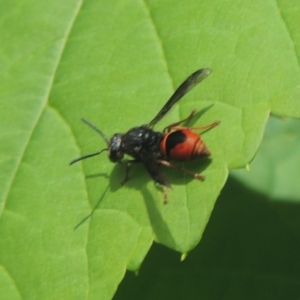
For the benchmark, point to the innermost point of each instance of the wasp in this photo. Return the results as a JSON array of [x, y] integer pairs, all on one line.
[[155, 148]]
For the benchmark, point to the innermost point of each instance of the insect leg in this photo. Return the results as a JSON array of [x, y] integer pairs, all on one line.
[[170, 165], [205, 128], [165, 194], [127, 163], [170, 127]]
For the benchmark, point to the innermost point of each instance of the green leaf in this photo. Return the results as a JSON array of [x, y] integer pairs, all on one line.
[[116, 63]]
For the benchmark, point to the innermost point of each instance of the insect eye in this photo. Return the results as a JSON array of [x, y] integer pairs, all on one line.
[[115, 151]]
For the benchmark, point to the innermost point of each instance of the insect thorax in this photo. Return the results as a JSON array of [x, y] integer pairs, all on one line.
[[141, 139]]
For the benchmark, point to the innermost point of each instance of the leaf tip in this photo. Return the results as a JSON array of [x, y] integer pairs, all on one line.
[[183, 256]]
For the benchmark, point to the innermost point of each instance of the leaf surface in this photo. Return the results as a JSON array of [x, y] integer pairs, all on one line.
[[116, 63]]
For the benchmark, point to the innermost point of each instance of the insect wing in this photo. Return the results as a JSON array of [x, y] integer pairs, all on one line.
[[184, 88]]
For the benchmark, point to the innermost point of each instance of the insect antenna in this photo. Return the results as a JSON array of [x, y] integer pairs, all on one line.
[[96, 153], [87, 156], [96, 129]]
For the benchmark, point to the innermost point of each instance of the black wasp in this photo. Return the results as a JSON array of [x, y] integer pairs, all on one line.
[[154, 148]]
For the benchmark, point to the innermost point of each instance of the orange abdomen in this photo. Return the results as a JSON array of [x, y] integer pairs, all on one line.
[[183, 145]]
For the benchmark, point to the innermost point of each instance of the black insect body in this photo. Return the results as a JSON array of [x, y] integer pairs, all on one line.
[[152, 148], [132, 142]]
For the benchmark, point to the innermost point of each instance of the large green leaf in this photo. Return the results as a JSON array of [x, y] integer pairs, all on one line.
[[116, 63]]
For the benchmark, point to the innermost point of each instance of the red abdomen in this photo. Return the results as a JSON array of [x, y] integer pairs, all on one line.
[[183, 145]]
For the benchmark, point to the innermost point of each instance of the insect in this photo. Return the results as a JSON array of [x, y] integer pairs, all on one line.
[[154, 148]]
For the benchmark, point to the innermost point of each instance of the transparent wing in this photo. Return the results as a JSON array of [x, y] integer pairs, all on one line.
[[184, 88]]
